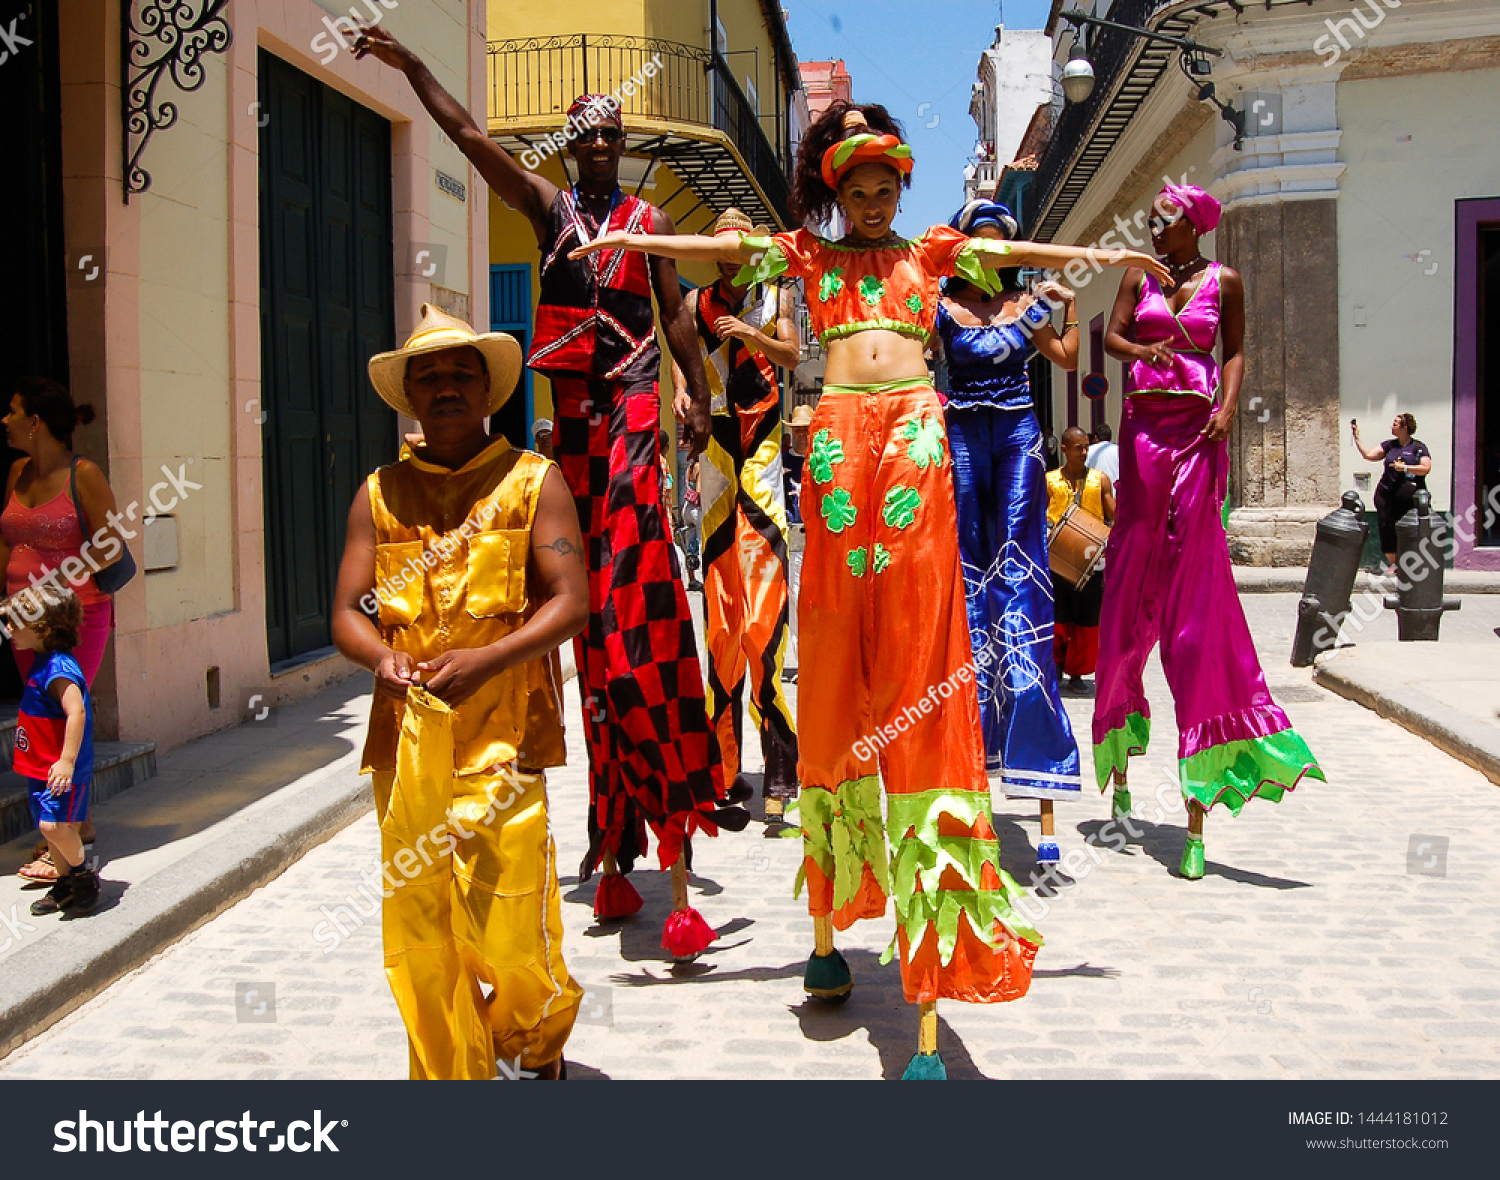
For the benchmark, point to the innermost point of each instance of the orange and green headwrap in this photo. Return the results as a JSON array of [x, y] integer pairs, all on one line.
[[864, 149]]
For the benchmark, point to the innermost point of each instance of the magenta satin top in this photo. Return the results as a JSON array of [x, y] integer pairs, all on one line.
[[1191, 333]]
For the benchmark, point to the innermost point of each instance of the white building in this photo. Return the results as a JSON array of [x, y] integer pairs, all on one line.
[[1015, 77], [1363, 210]]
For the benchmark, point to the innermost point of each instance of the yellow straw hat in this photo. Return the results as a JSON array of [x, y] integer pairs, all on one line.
[[436, 331], [801, 416], [732, 220]]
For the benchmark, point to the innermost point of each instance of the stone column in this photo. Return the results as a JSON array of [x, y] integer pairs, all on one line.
[[1280, 231]]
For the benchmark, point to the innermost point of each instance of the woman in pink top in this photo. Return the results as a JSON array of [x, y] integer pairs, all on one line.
[[1169, 571], [40, 529]]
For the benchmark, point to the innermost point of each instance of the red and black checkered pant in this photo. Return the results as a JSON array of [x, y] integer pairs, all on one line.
[[652, 757]]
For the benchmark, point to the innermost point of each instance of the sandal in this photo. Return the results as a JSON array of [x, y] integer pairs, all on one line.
[[41, 870]]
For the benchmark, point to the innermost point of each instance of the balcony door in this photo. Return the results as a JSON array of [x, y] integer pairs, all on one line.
[[327, 289]]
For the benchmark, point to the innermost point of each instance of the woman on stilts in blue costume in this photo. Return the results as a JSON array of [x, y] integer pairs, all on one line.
[[999, 476]]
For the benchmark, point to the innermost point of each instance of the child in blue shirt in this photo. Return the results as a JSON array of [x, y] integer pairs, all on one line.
[[55, 737]]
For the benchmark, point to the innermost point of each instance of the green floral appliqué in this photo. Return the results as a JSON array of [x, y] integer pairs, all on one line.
[[838, 512], [915, 303], [831, 284], [926, 438], [882, 558], [859, 561], [901, 504], [871, 289], [825, 452]]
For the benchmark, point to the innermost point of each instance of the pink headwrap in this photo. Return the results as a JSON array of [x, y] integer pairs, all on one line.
[[1201, 210]]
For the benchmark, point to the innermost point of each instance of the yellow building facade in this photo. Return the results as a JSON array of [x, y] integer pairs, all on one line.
[[706, 93]]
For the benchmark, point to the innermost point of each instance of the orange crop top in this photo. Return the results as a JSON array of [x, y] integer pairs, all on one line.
[[892, 286]]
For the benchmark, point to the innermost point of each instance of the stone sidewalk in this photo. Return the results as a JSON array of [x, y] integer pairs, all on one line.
[[1351, 931]]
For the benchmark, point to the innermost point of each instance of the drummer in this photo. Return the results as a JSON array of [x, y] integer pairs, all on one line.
[[1075, 641]]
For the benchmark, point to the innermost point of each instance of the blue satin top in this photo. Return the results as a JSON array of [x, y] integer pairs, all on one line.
[[987, 363]]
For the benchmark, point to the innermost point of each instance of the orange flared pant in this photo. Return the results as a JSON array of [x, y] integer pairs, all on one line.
[[887, 693]]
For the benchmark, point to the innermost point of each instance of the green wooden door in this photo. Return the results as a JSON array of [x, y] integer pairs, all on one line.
[[326, 307]]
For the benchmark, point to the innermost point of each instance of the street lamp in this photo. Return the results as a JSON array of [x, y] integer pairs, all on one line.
[[1078, 74]]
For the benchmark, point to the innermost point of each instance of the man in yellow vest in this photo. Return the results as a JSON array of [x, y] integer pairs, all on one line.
[[468, 553], [1076, 636]]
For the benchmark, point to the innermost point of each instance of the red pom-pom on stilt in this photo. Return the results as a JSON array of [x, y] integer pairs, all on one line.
[[686, 935], [616, 897]]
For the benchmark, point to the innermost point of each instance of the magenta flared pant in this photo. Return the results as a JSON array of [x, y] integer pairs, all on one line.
[[1170, 579]]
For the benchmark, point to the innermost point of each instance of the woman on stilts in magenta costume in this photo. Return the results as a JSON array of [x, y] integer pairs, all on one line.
[[1169, 571]]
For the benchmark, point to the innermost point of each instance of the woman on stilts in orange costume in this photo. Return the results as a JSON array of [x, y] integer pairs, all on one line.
[[886, 683]]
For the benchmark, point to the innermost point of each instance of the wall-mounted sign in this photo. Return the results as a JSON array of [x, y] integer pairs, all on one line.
[[1095, 386], [452, 186]]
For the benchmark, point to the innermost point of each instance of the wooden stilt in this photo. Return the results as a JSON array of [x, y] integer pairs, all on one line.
[[823, 934], [1195, 819], [679, 885], [609, 864], [927, 1027], [1049, 820]]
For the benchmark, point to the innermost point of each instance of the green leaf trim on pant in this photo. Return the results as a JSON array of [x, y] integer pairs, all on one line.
[[1236, 772], [1119, 746], [926, 438], [823, 456], [882, 558], [859, 561], [922, 857], [843, 834], [901, 504], [838, 510]]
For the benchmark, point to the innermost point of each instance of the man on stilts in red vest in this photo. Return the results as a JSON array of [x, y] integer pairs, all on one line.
[[653, 758]]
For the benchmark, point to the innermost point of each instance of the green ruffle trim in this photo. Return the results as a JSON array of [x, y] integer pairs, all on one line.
[[772, 264], [842, 832], [1119, 746], [968, 267], [921, 859], [905, 327], [1236, 772]]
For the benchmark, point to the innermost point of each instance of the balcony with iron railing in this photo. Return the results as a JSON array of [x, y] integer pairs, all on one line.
[[1111, 51], [689, 111]]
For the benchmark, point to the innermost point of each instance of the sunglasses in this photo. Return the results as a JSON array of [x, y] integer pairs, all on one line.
[[607, 134], [1160, 224]]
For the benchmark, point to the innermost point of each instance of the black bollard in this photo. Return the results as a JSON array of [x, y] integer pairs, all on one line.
[[1330, 579], [1421, 541]]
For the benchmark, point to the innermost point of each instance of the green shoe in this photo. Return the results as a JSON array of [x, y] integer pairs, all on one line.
[[1120, 808], [926, 1067], [828, 978], [1192, 859]]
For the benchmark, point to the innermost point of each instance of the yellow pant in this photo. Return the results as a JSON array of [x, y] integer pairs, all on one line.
[[472, 901]]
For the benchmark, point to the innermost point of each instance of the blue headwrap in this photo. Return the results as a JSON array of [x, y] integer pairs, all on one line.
[[980, 212]]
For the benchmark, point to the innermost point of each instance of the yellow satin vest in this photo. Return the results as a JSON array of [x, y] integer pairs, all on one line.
[[451, 572], [1060, 494]]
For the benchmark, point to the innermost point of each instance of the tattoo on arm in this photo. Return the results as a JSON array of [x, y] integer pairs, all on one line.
[[562, 547]]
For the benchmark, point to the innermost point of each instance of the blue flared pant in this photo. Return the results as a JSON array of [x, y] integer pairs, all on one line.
[[1000, 480]]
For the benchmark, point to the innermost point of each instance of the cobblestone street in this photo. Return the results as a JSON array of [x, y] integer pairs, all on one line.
[[1351, 931]]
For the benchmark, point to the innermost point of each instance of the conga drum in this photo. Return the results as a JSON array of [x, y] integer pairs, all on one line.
[[1075, 547]]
